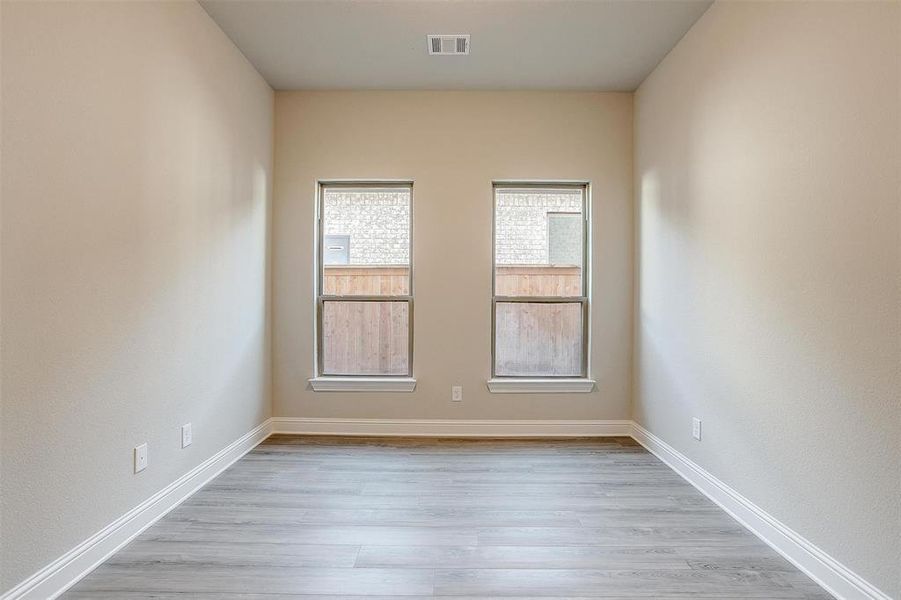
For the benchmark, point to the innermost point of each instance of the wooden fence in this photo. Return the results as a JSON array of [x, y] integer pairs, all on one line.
[[538, 339], [538, 280], [372, 337], [366, 281], [365, 338], [512, 280]]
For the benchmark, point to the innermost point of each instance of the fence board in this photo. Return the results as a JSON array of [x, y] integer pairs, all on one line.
[[538, 280]]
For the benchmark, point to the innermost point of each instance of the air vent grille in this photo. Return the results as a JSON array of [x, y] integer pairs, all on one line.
[[449, 45]]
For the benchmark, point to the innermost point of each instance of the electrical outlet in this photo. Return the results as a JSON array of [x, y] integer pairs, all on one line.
[[140, 458], [457, 393], [186, 436], [696, 428]]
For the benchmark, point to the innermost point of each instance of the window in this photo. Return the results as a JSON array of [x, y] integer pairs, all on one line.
[[564, 238], [540, 304], [365, 284]]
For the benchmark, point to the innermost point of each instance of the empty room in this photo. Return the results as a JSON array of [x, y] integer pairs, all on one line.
[[464, 299]]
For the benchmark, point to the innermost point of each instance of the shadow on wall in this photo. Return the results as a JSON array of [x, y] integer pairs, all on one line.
[[767, 239], [135, 261]]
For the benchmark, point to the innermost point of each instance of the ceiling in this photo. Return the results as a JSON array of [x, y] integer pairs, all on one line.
[[608, 45]]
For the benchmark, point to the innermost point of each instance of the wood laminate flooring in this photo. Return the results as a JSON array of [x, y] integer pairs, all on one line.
[[356, 518]]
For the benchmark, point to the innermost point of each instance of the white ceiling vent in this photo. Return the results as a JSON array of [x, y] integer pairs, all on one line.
[[451, 45]]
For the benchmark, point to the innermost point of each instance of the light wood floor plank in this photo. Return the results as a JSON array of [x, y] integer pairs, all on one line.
[[602, 583], [353, 518]]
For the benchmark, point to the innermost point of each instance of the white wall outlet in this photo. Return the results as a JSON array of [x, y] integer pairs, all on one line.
[[457, 393], [186, 436], [140, 458], [696, 428]]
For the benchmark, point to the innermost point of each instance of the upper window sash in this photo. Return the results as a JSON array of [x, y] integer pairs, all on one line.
[[525, 257], [352, 259]]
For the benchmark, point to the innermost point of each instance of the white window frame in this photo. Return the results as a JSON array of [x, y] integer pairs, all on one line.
[[545, 383], [350, 382]]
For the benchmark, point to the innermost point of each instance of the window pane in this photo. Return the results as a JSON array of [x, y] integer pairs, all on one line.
[[538, 242], [366, 241], [538, 339], [365, 338]]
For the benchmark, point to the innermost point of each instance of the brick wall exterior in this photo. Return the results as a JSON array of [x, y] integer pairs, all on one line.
[[521, 228], [378, 225], [377, 222]]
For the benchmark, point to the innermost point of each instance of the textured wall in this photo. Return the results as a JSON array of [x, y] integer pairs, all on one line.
[[507, 136], [767, 174], [136, 156]]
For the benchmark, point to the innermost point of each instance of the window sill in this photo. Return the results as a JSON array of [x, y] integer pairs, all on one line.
[[362, 384], [512, 385]]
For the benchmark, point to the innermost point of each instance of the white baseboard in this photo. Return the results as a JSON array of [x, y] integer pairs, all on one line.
[[57, 577], [449, 428], [67, 570], [833, 576]]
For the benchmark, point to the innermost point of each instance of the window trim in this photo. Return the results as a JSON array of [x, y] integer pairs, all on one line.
[[539, 383], [359, 382], [333, 383]]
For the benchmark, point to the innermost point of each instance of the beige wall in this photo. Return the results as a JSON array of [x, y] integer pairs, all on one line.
[[767, 180], [452, 144], [135, 199], [136, 162]]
